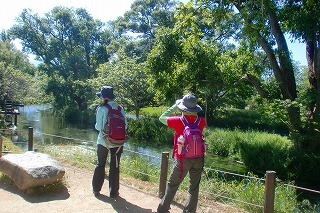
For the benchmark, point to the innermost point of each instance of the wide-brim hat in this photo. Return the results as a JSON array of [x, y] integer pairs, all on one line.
[[106, 92], [188, 104]]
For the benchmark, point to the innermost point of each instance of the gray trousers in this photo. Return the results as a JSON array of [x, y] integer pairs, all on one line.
[[192, 166]]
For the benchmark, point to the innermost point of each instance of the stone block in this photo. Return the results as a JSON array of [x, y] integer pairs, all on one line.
[[31, 169]]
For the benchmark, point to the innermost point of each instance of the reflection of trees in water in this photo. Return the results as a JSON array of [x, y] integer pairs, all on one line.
[[51, 129]]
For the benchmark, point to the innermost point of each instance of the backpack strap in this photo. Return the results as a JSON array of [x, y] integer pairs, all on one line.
[[110, 108], [116, 156], [119, 108], [197, 121], [185, 121]]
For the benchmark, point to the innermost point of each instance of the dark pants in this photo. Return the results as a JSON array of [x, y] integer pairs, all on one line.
[[114, 169], [192, 166]]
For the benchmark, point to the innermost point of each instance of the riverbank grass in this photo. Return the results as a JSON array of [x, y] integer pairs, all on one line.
[[247, 193]]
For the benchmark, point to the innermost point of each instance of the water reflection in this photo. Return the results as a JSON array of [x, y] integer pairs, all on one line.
[[49, 128]]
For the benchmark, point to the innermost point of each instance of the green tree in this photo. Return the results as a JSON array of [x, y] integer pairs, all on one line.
[[146, 16], [17, 76], [301, 19], [195, 55], [142, 21], [130, 82], [67, 41], [263, 29]]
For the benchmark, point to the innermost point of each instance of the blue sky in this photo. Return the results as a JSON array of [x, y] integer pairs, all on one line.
[[103, 10]]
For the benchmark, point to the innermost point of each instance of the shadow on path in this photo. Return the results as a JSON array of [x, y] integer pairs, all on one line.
[[121, 205], [31, 197]]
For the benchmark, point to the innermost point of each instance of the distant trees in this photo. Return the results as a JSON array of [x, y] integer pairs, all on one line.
[[143, 20], [131, 83], [17, 76], [71, 46], [70, 43]]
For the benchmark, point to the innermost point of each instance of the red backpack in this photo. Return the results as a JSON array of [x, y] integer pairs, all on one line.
[[114, 131]]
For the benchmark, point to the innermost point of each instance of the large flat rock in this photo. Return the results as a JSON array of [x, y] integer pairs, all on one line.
[[31, 169]]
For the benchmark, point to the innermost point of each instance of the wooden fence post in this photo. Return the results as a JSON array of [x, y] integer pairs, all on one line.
[[0, 146], [269, 192], [30, 141], [163, 173]]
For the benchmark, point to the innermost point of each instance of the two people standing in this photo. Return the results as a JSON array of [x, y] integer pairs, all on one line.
[[193, 166]]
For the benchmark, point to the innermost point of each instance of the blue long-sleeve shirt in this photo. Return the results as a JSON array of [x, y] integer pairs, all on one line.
[[101, 118]]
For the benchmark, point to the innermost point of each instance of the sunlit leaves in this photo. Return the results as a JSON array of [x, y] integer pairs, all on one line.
[[130, 83], [67, 41]]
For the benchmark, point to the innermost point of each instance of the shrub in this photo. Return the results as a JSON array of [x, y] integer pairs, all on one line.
[[246, 119], [259, 151], [148, 129], [219, 141]]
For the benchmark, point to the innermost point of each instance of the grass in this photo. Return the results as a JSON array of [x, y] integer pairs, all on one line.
[[141, 173], [9, 147]]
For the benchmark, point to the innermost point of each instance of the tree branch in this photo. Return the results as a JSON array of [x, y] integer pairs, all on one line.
[[255, 82]]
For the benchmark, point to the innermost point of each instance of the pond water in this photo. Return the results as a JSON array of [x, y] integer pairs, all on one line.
[[49, 128]]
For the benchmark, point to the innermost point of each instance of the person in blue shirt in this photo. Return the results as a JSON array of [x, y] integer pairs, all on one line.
[[103, 148]]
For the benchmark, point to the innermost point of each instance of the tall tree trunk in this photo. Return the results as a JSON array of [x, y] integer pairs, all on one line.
[[280, 62], [284, 69], [313, 60]]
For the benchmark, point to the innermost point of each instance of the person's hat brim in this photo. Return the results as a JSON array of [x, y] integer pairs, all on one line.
[[182, 107]]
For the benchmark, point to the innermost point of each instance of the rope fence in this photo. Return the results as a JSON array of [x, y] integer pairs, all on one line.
[[270, 180]]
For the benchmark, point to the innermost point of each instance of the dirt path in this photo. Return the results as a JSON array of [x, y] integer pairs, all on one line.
[[77, 197]]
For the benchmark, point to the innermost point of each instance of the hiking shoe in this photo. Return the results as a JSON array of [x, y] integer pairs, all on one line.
[[114, 195], [96, 194]]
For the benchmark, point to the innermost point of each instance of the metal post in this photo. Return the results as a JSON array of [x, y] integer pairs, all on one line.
[[163, 173], [30, 141], [15, 119], [269, 192]]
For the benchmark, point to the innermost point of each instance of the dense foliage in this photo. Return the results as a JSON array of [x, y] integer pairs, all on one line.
[[17, 77], [69, 43], [148, 129], [132, 88]]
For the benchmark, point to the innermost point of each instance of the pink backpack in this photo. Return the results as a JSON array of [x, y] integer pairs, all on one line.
[[194, 146], [115, 128]]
